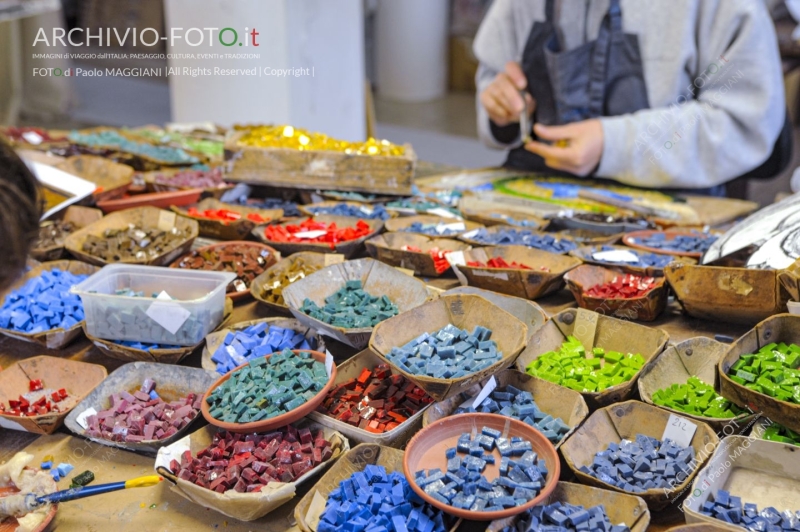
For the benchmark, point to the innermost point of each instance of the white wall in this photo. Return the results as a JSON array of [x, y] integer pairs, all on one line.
[[326, 36]]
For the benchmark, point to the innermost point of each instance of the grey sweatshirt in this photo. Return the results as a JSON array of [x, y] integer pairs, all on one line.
[[713, 76]]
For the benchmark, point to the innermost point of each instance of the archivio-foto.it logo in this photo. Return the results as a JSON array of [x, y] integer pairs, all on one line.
[[146, 37]]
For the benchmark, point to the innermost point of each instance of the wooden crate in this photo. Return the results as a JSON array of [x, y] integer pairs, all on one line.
[[332, 170]]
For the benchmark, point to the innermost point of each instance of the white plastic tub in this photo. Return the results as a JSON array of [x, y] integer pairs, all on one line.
[[196, 306]]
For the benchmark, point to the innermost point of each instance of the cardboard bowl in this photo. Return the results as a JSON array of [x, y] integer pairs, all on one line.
[[586, 254], [53, 338], [613, 228], [310, 507], [643, 308], [311, 208], [697, 357], [595, 330], [235, 230], [78, 378], [720, 293], [147, 217], [702, 527], [277, 421], [780, 328], [401, 224], [635, 238], [533, 283], [80, 218], [624, 421], [216, 338], [427, 449], [387, 248], [761, 472], [587, 237], [489, 218], [377, 279], [397, 437], [348, 248], [469, 237], [463, 311], [111, 178], [528, 312], [161, 200], [241, 506], [272, 257], [259, 284], [620, 507], [553, 399], [172, 383]]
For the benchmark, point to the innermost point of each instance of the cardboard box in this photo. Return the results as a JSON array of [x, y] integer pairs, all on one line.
[[311, 169], [761, 472]]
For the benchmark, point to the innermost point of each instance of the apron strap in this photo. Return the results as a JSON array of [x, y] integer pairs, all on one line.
[[612, 23], [549, 10]]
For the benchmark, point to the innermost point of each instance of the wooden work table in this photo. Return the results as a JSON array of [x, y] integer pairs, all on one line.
[[158, 508]]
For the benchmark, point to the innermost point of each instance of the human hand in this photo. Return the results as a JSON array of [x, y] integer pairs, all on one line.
[[578, 146], [502, 99]]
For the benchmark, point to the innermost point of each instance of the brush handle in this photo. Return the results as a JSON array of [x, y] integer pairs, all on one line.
[[87, 491]]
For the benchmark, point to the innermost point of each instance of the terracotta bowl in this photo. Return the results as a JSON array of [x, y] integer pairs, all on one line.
[[275, 422], [427, 449]]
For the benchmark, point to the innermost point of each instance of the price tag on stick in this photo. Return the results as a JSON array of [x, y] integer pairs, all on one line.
[[680, 430]]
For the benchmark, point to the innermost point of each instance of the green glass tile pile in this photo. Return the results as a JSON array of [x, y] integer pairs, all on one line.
[[781, 434], [351, 308], [696, 398], [569, 366], [771, 371], [268, 387]]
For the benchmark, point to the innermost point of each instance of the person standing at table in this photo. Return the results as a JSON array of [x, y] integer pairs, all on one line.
[[658, 94], [19, 214]]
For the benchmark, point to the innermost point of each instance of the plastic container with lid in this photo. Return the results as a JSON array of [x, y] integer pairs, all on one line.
[[196, 306]]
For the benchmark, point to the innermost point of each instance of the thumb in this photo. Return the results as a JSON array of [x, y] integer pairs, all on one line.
[[553, 132], [514, 71]]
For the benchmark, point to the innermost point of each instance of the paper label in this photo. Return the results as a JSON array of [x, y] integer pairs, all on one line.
[[680, 430], [166, 220], [310, 234], [443, 228], [585, 327], [172, 452], [440, 211], [328, 362], [471, 234], [333, 258], [171, 316], [503, 276], [490, 386], [32, 137], [456, 258], [615, 255], [81, 419]]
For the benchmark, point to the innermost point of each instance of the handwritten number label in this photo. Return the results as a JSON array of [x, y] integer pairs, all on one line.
[[680, 430]]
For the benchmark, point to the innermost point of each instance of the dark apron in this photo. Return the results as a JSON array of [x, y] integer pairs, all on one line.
[[599, 78]]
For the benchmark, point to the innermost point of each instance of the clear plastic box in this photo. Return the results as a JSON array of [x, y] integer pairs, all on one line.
[[196, 308]]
